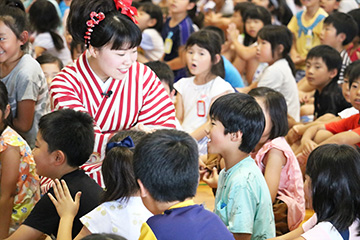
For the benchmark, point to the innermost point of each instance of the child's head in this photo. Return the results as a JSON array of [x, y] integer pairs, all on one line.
[[355, 13], [339, 29], [203, 49], [333, 176], [274, 43], [165, 74], [116, 30], [13, 27], [43, 16], [255, 18], [64, 136], [330, 6], [117, 167], [166, 164], [310, 3], [76, 49], [277, 8], [4, 107], [13, 3], [323, 64], [238, 112], [354, 83], [103, 236], [150, 16], [345, 86], [50, 65], [274, 107], [239, 13]]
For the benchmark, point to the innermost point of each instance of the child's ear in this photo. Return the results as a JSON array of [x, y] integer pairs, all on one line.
[[24, 37], [59, 157], [172, 94], [342, 37], [236, 136], [152, 22], [143, 191], [7, 111], [280, 49], [190, 6], [333, 73], [217, 58]]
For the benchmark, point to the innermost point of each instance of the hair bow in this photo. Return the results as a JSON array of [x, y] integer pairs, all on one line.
[[126, 142], [95, 19], [126, 9]]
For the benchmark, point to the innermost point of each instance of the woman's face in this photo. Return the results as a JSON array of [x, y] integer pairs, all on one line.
[[113, 63]]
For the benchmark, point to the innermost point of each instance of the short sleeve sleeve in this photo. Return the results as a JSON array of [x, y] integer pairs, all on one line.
[[98, 220]]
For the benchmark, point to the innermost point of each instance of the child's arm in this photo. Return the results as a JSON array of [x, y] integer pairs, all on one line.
[[39, 50], [10, 162], [66, 208], [273, 161], [307, 143], [24, 115], [244, 52], [242, 236], [178, 62], [348, 137], [179, 108]]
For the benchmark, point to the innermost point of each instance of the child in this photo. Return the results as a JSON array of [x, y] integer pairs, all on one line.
[[354, 48], [50, 65], [331, 182], [45, 21], [305, 26], [150, 22], [344, 131], [122, 211], [278, 163], [166, 166], [117, 91], [64, 142], [323, 64], [339, 29], [195, 94], [330, 6], [256, 17], [19, 182], [280, 12], [237, 125], [175, 32], [22, 75], [274, 44]]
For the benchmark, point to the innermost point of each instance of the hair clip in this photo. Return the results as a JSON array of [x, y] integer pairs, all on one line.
[[126, 9], [126, 142], [95, 19]]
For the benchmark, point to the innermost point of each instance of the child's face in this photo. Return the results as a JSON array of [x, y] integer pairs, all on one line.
[[218, 141], [307, 190], [50, 70], [198, 60], [329, 5], [253, 26], [9, 44], [42, 156], [264, 52], [262, 3], [345, 89], [180, 6], [237, 19], [355, 94], [268, 123], [113, 63], [317, 73], [143, 19], [310, 3], [329, 36]]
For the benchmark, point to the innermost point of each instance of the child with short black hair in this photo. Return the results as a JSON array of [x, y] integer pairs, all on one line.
[[323, 64], [354, 48], [237, 125], [165, 74], [64, 142], [166, 166], [50, 65]]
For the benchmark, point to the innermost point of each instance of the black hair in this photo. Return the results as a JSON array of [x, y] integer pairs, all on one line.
[[116, 29], [69, 131], [281, 10], [103, 236], [330, 57], [343, 23], [334, 171], [44, 18], [48, 58], [75, 46], [275, 105], [4, 101], [240, 112], [279, 35], [353, 72], [255, 12], [355, 13], [218, 31], [211, 41], [155, 13], [15, 19], [163, 71], [166, 161], [117, 168], [242, 7], [13, 3], [196, 16]]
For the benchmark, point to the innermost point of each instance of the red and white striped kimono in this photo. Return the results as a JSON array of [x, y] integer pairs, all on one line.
[[138, 98]]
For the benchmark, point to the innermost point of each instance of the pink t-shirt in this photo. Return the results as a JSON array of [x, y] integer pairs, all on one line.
[[291, 186]]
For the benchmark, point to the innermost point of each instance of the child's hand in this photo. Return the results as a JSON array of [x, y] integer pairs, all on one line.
[[211, 178], [202, 168], [308, 147], [293, 134], [304, 97], [232, 32], [65, 206]]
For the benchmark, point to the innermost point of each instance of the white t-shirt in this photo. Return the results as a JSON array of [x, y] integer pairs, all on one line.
[[152, 44], [118, 217], [197, 99], [326, 231], [44, 40], [279, 77]]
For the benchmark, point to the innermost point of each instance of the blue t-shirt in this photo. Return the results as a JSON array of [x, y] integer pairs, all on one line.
[[243, 200], [232, 75]]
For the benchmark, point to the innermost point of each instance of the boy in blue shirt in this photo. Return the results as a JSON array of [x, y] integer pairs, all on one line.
[[166, 166], [242, 199]]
